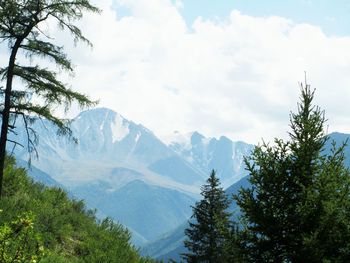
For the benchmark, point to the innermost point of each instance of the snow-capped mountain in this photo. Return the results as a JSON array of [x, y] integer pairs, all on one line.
[[122, 168], [106, 142], [223, 155]]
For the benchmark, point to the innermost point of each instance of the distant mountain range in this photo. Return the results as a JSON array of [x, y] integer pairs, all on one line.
[[170, 246], [125, 171], [223, 155]]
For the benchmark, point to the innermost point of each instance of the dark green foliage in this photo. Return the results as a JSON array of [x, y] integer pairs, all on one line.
[[210, 231], [232, 248], [297, 208], [42, 91], [64, 228]]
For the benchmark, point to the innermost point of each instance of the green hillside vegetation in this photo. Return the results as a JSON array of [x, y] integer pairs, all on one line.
[[42, 224]]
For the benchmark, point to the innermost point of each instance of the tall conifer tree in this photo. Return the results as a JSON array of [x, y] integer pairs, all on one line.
[[42, 91], [209, 228], [297, 208]]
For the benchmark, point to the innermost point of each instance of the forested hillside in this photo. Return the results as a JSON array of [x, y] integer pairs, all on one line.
[[42, 223]]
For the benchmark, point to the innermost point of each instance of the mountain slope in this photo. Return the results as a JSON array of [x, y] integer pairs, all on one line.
[[39, 176], [149, 210], [114, 153], [42, 221], [116, 157], [105, 140], [223, 155], [171, 245]]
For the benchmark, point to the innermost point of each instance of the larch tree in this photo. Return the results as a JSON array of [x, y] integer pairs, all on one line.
[[297, 208], [41, 90]]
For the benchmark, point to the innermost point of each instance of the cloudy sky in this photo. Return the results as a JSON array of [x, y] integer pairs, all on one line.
[[228, 67]]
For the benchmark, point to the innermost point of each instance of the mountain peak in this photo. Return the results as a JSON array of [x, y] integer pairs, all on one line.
[[107, 121], [183, 139], [225, 139], [196, 138], [98, 112]]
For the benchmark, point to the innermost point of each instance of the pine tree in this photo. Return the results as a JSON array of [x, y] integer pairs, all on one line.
[[297, 208], [209, 231], [20, 28]]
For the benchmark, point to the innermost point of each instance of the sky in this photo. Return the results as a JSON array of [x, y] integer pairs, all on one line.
[[331, 15], [225, 67]]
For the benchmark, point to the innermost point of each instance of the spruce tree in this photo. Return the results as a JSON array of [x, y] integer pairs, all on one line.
[[209, 229], [41, 90], [297, 208]]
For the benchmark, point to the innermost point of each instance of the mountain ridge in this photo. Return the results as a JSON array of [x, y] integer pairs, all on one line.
[[113, 151], [170, 246]]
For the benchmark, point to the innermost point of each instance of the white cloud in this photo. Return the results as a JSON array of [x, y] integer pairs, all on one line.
[[236, 76]]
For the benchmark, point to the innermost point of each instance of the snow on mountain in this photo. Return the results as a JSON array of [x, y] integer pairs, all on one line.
[[120, 168], [223, 155], [119, 130], [183, 139], [106, 140], [113, 153]]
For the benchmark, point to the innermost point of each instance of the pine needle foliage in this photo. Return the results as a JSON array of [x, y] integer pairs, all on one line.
[[209, 230], [297, 208], [41, 90]]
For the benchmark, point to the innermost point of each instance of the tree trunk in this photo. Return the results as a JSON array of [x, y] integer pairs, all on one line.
[[6, 110]]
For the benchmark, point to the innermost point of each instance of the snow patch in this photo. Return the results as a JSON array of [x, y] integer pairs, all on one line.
[[233, 151], [137, 137], [178, 138], [119, 129]]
